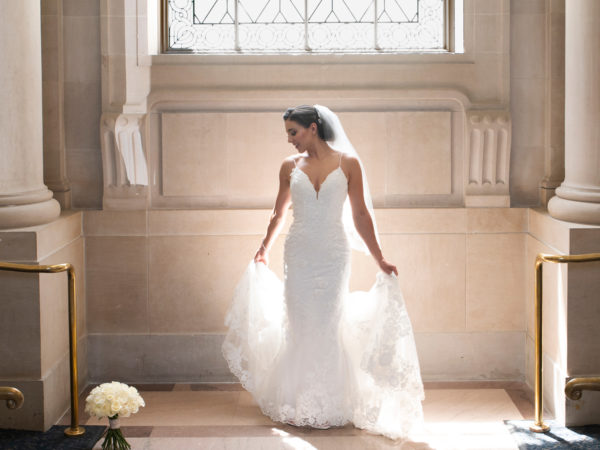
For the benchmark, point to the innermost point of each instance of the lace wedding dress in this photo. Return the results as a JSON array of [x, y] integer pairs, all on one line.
[[311, 353]]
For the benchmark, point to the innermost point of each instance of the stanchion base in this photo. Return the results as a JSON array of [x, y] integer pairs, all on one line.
[[539, 428], [77, 431]]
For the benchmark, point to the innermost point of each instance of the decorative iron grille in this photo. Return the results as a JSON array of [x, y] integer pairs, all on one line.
[[262, 26]]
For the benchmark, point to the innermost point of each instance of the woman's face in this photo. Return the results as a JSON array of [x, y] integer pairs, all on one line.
[[298, 136]]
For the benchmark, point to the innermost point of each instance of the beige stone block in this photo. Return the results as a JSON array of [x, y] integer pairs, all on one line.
[[194, 156], [81, 49], [583, 313], [114, 8], [18, 246], [557, 6], [488, 33], [20, 325], [84, 167], [585, 411], [81, 7], [82, 115], [491, 6], [117, 284], [113, 40], [584, 239], [255, 147], [496, 282], [527, 169], [57, 234], [421, 220], [557, 45], [158, 357], [114, 75], [31, 415], [471, 356], [552, 232], [115, 223], [86, 195], [192, 280], [553, 382], [528, 98], [130, 42], [54, 305], [368, 134], [49, 7], [54, 318], [51, 121], [432, 277], [212, 222], [497, 220], [557, 124], [419, 153], [51, 64], [57, 394], [527, 6], [489, 75], [528, 38]]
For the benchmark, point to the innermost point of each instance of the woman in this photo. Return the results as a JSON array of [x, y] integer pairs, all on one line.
[[315, 355]]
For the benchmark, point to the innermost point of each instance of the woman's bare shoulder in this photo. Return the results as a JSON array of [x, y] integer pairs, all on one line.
[[288, 164], [350, 162]]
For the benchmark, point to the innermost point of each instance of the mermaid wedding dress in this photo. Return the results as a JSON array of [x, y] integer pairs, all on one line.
[[311, 353]]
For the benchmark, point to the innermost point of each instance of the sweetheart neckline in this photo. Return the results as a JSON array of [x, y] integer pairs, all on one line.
[[323, 182]]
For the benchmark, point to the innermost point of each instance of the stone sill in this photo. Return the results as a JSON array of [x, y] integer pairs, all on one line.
[[431, 57]]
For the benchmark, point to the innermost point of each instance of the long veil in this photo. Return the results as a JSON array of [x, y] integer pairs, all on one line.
[[340, 142]]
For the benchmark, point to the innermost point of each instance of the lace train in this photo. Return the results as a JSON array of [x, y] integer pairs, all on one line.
[[373, 382]]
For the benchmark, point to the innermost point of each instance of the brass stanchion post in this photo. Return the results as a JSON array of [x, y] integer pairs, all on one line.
[[539, 426]]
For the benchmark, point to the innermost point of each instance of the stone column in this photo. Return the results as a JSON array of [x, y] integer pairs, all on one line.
[[24, 199], [578, 197]]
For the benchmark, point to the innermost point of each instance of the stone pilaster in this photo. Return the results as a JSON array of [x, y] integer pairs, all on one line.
[[24, 199]]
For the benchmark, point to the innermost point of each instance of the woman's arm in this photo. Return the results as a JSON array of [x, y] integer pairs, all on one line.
[[361, 216], [282, 204]]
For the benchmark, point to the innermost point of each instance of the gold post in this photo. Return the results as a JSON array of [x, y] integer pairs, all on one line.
[[74, 429], [539, 426], [574, 386]]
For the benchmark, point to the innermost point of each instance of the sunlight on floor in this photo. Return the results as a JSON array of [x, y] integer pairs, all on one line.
[[223, 416]]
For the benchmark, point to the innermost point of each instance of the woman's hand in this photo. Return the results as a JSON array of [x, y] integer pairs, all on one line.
[[262, 255], [387, 267]]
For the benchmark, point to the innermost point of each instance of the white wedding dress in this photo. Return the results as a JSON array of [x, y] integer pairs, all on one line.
[[311, 353]]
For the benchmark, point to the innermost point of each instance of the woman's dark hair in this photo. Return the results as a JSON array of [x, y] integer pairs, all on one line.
[[305, 115]]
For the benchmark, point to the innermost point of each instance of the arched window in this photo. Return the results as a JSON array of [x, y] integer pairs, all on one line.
[[309, 26]]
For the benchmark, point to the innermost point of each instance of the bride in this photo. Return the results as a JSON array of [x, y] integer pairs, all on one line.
[[311, 353]]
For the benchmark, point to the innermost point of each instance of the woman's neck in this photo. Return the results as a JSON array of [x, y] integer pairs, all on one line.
[[319, 151]]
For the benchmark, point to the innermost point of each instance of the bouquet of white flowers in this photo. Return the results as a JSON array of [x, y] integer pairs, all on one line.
[[114, 400]]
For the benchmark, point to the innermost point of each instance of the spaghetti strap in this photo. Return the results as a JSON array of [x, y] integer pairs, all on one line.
[[340, 163]]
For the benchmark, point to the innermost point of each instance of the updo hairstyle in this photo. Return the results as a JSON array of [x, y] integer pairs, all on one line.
[[305, 115]]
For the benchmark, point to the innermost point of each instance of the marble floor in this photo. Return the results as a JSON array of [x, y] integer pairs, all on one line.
[[466, 415]]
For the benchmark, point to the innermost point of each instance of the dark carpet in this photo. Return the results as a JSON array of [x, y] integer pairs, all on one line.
[[558, 438], [53, 439]]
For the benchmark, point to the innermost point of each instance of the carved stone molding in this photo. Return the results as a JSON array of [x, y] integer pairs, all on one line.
[[487, 162], [124, 161]]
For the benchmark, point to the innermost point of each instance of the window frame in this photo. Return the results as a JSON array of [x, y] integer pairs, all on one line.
[[449, 42]]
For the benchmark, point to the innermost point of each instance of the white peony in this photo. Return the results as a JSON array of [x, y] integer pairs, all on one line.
[[112, 399]]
